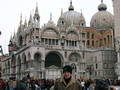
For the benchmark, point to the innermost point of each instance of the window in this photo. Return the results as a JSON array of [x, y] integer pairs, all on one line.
[[96, 66], [37, 37], [62, 22], [92, 36], [105, 41], [88, 42], [83, 35], [88, 34], [93, 43]]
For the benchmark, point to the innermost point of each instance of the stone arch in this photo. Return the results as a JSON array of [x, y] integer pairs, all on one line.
[[24, 58], [5, 66], [74, 57], [13, 61], [19, 65], [20, 40], [8, 64], [37, 56], [24, 61], [37, 59], [13, 64], [29, 56], [53, 59], [74, 67]]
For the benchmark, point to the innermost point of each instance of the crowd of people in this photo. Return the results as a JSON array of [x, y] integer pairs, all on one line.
[[66, 82], [26, 84]]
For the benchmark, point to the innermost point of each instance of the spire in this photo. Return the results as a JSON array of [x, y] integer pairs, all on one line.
[[21, 19], [81, 12], [71, 8], [11, 38], [61, 16], [61, 11], [36, 10], [25, 23], [20, 28], [50, 21], [101, 1], [30, 19], [36, 15], [14, 34], [50, 16]]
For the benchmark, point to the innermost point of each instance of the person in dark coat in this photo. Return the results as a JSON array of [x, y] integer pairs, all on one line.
[[67, 82], [22, 85]]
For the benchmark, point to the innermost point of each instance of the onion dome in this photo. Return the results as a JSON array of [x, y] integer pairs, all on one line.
[[71, 17], [103, 19]]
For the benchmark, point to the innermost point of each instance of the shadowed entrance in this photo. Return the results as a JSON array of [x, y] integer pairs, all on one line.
[[53, 64]]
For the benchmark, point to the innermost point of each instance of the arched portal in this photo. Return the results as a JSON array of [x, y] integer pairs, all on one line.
[[37, 59], [53, 65], [53, 59]]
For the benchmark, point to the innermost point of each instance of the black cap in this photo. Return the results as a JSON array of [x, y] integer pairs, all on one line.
[[67, 68]]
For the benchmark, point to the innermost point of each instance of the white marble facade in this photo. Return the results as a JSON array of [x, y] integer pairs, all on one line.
[[43, 51]]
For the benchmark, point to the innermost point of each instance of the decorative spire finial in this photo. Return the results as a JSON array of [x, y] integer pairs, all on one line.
[[71, 6], [37, 11], [61, 11], [81, 12], [102, 6], [101, 1], [25, 22], [20, 19], [70, 2], [50, 16]]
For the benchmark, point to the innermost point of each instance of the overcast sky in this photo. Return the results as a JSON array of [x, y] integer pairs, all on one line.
[[11, 10]]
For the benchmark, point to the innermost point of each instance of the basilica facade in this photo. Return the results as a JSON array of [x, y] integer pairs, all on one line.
[[42, 51], [116, 6]]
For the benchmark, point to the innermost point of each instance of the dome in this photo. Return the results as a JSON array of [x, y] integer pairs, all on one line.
[[102, 19], [71, 17]]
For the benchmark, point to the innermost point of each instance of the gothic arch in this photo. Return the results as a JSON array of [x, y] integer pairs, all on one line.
[[37, 56], [24, 58], [24, 61], [37, 59], [53, 58], [29, 56], [74, 67], [13, 61], [19, 64], [8, 64], [20, 40]]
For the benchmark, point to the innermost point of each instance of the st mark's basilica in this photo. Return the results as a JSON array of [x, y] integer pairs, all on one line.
[[42, 51]]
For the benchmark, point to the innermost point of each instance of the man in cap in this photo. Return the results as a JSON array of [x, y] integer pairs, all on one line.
[[67, 82]]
